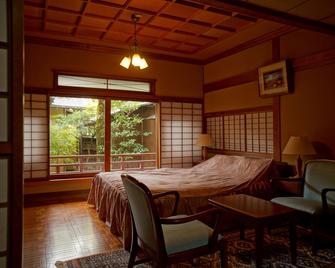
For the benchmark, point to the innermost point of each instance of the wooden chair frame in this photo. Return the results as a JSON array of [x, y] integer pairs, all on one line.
[[159, 257]]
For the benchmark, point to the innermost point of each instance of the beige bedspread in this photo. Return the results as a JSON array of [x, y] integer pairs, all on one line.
[[220, 175]]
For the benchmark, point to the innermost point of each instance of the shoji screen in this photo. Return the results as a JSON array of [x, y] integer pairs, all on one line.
[[259, 129], [35, 136], [234, 132], [242, 132], [181, 123], [214, 128]]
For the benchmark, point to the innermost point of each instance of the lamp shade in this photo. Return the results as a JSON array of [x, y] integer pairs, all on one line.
[[299, 146], [204, 140]]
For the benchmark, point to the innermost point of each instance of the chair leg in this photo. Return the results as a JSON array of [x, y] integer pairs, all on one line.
[[223, 255], [133, 253], [315, 227]]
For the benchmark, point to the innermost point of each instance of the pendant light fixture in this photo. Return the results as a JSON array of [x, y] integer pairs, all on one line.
[[134, 58]]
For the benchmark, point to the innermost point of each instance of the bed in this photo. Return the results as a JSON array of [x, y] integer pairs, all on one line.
[[220, 175]]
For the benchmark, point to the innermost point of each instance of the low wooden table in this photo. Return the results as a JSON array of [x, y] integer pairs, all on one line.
[[259, 213]]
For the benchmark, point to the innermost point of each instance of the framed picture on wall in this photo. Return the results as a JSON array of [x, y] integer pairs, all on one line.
[[274, 79]]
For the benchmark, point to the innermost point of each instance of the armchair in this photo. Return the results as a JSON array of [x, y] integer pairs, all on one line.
[[318, 198], [172, 239]]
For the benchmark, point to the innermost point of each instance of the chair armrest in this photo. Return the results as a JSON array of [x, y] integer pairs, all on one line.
[[175, 193], [188, 218], [324, 197]]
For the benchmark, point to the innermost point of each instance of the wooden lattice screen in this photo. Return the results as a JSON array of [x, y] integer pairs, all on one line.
[[35, 136], [181, 123], [242, 132]]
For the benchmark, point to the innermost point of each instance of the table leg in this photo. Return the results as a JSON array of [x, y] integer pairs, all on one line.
[[259, 244], [242, 234], [293, 241]]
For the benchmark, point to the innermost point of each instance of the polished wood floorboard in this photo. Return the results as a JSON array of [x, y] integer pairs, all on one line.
[[64, 231]]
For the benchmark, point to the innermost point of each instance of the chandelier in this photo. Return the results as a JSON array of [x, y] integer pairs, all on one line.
[[134, 58]]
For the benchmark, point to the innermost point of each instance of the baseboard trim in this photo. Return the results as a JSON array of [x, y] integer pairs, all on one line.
[[32, 200]]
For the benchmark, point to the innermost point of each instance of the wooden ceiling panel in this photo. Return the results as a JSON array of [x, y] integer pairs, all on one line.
[[166, 44], [181, 11], [117, 36], [145, 40], [166, 22], [216, 33], [186, 48], [153, 32], [210, 17], [193, 28], [123, 27], [94, 22], [177, 36], [33, 11], [88, 33], [201, 41], [74, 5], [148, 5], [126, 16], [59, 28], [117, 2], [61, 16], [235, 23], [101, 10]]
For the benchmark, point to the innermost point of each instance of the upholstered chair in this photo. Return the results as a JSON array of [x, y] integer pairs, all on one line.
[[172, 239], [318, 198]]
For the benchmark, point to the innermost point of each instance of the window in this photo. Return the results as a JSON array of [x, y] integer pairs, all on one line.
[[242, 131], [181, 123], [77, 135], [102, 83]]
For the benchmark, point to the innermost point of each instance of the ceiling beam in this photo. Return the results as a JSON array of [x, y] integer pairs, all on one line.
[[250, 9]]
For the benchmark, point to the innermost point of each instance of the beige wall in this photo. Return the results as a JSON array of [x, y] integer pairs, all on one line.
[[308, 111], [172, 78]]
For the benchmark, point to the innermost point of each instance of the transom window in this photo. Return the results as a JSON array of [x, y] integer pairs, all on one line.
[[63, 80]]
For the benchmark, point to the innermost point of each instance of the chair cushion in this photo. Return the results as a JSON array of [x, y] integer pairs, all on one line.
[[301, 204], [185, 236]]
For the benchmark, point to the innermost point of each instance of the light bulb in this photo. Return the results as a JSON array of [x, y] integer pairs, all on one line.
[[136, 60], [125, 62], [143, 64]]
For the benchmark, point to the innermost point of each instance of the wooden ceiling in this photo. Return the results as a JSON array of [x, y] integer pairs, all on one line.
[[184, 29]]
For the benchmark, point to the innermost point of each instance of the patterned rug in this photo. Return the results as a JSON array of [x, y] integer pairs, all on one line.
[[241, 253]]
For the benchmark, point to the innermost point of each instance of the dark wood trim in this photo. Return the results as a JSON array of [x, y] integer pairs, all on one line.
[[107, 133], [315, 60], [89, 93], [3, 204], [276, 128], [5, 147], [239, 111], [247, 8], [104, 49], [299, 64], [3, 254], [276, 107], [251, 43], [180, 99], [235, 80], [55, 197], [71, 176], [16, 86], [3, 45]]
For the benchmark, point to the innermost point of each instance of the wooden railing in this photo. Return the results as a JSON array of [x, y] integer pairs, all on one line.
[[67, 164]]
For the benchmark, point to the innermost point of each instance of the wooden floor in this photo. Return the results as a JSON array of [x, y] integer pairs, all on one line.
[[64, 231]]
